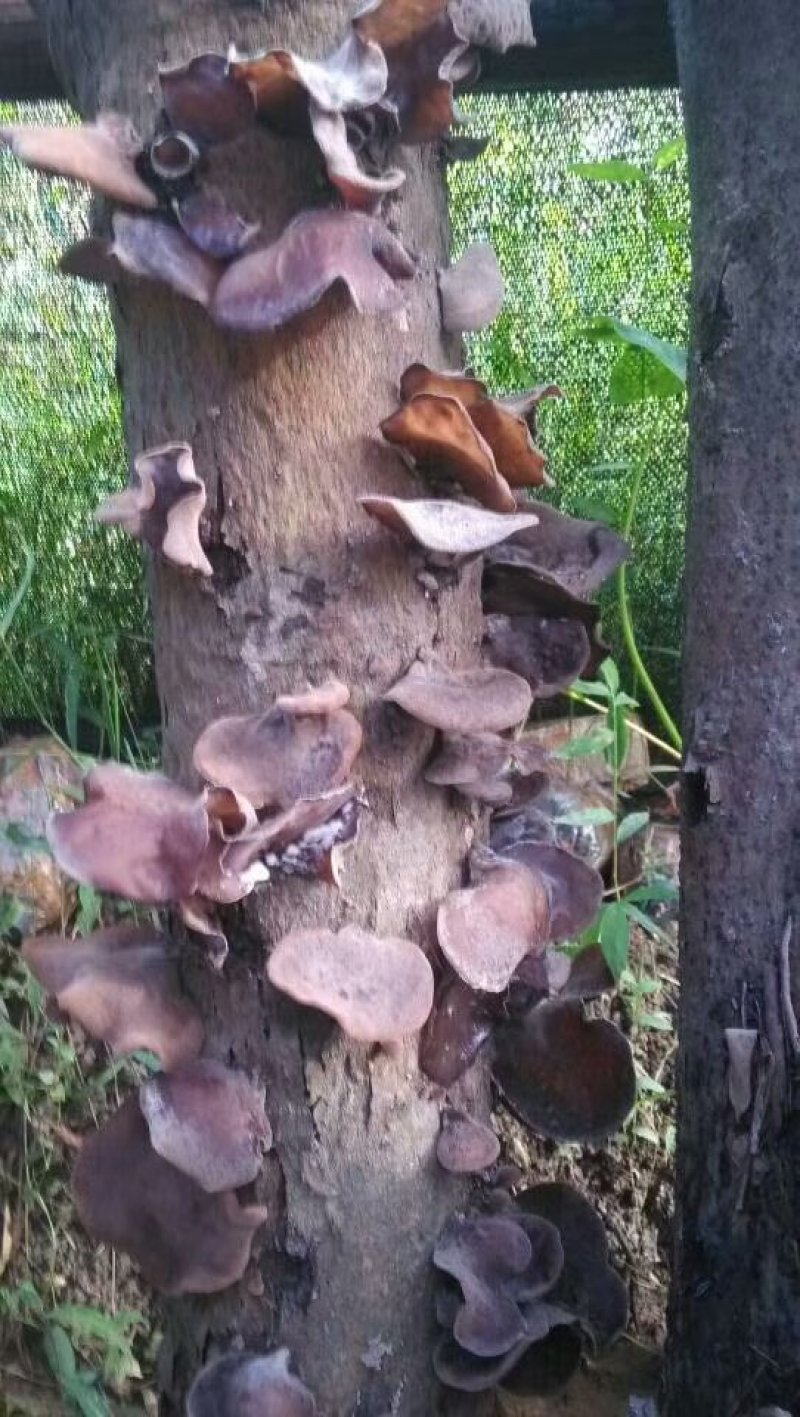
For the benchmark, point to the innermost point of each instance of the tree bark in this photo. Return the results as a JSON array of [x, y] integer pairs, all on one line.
[[735, 1318], [284, 433]]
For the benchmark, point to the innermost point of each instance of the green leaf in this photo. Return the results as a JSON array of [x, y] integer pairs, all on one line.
[[594, 687], [630, 825], [653, 892], [637, 376], [669, 153], [615, 937], [614, 169], [610, 675], [19, 836], [9, 614], [646, 924], [671, 356], [60, 1354], [586, 817], [649, 1087], [588, 745], [594, 510], [658, 1021]]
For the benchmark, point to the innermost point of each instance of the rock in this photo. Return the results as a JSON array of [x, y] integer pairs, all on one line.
[[36, 775]]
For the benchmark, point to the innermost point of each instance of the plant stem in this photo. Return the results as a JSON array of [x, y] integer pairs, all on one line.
[[631, 723], [662, 712]]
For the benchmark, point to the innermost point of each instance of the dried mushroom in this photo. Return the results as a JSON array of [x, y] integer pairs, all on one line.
[[137, 835], [209, 1122], [378, 989], [183, 1239], [266, 288], [451, 529], [102, 154], [472, 291], [462, 700], [565, 1076], [163, 506], [250, 1385], [121, 985]]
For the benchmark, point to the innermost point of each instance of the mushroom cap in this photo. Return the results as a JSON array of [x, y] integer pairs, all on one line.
[[548, 653], [351, 78], [485, 930], [173, 155], [155, 249], [163, 506], [508, 435], [100, 154], [209, 1121], [250, 1385], [120, 985], [449, 528], [419, 378], [465, 1145], [472, 290], [438, 432], [277, 757], [588, 1285], [511, 588], [479, 765], [565, 1076], [545, 1367], [266, 288], [493, 24], [575, 889], [137, 835], [184, 1240], [425, 56], [501, 1264], [299, 841], [580, 555], [212, 224], [207, 99], [360, 191], [378, 989], [459, 1026], [462, 700]]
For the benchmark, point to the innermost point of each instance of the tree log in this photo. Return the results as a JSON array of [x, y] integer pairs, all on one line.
[[735, 1316], [285, 433]]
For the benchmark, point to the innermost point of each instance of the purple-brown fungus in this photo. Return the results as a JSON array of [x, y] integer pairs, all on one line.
[[163, 506]]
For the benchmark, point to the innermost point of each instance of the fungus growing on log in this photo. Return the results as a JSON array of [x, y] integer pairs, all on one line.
[[549, 653], [182, 1238], [121, 985], [485, 930], [425, 57], [461, 700], [459, 1026], [163, 506], [378, 989], [264, 289], [465, 1146], [472, 290], [360, 191], [250, 1385], [493, 24], [437, 432], [579, 555], [102, 154], [213, 225], [565, 1076], [500, 427], [497, 1263], [283, 84], [207, 99], [482, 766], [173, 156], [587, 1285], [209, 1121], [148, 247], [278, 757], [449, 529], [574, 888], [137, 835]]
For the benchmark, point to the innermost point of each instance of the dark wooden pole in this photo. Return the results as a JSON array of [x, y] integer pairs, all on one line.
[[582, 44]]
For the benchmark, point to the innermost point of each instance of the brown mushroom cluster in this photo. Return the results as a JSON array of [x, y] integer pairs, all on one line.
[[278, 800], [521, 1289], [390, 81]]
